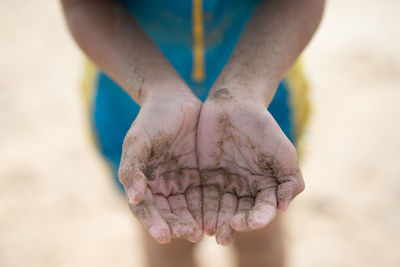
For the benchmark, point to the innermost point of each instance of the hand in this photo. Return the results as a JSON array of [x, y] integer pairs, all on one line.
[[248, 167], [159, 167]]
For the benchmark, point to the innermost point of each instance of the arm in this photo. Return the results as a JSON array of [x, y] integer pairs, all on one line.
[[160, 175], [271, 42], [248, 166], [110, 37]]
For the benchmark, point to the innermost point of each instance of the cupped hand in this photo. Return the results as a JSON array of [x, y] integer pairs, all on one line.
[[248, 166], [159, 167]]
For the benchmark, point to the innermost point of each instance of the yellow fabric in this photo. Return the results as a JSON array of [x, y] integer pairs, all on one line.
[[87, 91], [198, 73], [298, 91], [88, 84], [298, 94]]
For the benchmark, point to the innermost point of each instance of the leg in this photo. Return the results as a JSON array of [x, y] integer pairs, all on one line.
[[178, 253], [261, 248]]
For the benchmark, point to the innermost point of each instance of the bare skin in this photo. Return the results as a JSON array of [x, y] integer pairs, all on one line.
[[159, 163], [259, 248], [248, 166], [178, 252], [159, 168], [263, 247]]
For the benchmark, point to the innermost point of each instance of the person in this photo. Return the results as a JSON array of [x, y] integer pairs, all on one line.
[[179, 110]]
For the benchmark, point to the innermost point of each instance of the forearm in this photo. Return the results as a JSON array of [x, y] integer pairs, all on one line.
[[273, 39], [111, 38]]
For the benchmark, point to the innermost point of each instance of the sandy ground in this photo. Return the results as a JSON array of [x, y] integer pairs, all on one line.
[[58, 206]]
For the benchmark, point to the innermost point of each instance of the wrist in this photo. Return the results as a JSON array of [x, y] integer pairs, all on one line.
[[243, 86], [240, 92], [167, 91]]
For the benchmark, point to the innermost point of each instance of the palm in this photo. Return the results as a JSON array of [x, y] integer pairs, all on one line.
[[248, 167], [159, 170]]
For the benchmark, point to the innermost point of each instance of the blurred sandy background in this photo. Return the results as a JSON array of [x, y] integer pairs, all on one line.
[[58, 206]]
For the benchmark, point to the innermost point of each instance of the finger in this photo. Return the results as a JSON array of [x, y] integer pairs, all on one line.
[[179, 208], [179, 228], [211, 199], [239, 220], [288, 189], [135, 153], [134, 183], [264, 209], [148, 214], [193, 200], [290, 180], [228, 206]]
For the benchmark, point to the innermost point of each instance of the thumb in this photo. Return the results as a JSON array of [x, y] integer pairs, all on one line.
[[135, 152], [288, 189], [134, 183]]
